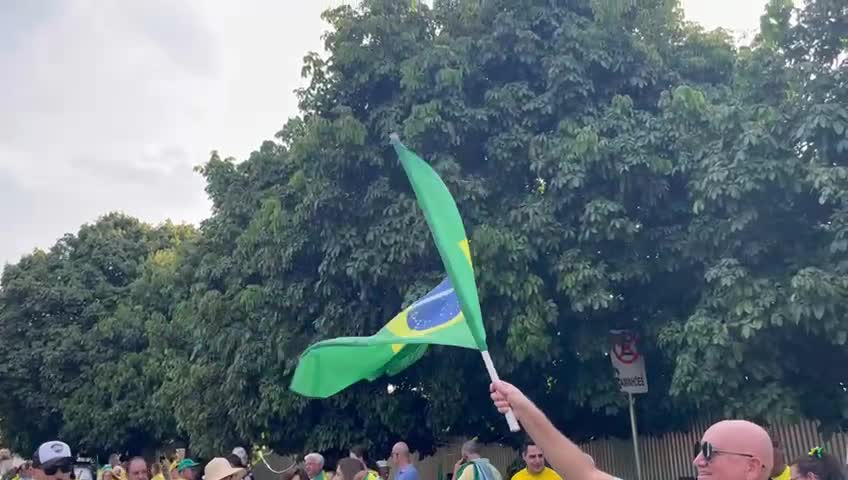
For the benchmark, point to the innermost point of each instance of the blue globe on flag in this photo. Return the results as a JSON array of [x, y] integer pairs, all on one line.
[[438, 307]]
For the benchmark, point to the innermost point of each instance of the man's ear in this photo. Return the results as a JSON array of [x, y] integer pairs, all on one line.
[[756, 468]]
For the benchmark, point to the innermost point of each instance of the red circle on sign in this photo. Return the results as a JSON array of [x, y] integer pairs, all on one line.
[[624, 348]]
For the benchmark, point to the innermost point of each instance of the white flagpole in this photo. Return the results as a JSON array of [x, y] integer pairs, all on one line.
[[493, 374]]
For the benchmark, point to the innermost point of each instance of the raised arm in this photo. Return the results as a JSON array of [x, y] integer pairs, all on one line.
[[564, 456]]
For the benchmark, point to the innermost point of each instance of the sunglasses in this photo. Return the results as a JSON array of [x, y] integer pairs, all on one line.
[[60, 467], [709, 452]]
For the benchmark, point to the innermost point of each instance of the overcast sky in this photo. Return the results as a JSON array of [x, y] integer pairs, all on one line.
[[108, 105]]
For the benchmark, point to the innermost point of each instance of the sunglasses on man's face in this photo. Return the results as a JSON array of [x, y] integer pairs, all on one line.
[[53, 469], [709, 452]]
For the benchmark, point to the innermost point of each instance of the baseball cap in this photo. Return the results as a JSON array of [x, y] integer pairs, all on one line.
[[241, 453], [186, 463], [51, 452]]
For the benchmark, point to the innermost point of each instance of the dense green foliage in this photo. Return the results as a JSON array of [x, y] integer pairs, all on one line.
[[75, 356], [615, 167]]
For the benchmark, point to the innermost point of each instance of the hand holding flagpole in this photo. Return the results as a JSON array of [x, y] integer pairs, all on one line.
[[493, 374]]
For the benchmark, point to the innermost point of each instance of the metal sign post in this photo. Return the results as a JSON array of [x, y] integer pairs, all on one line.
[[635, 436], [629, 367]]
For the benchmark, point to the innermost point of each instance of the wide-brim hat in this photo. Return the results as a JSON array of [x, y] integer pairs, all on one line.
[[219, 468]]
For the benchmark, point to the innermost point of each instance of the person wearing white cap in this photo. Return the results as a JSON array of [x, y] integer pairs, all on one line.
[[219, 469], [242, 454], [383, 469], [53, 461], [243, 462]]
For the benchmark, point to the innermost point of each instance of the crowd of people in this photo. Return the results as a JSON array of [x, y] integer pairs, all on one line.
[[54, 461], [729, 450]]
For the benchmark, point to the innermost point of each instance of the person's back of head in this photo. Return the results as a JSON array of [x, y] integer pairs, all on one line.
[[359, 451], [817, 465], [400, 454], [235, 460], [348, 468], [471, 449]]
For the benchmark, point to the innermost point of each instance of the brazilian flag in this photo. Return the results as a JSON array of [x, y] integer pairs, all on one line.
[[448, 315]]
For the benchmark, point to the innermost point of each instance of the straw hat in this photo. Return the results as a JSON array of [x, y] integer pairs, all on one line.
[[219, 469]]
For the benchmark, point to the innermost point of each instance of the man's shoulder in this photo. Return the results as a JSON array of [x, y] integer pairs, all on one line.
[[465, 472], [522, 474], [492, 472]]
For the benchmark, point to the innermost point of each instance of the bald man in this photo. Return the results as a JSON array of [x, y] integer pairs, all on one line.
[[402, 460], [729, 450]]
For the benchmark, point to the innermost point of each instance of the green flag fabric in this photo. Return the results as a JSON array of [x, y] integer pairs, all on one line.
[[448, 233], [448, 315], [330, 366]]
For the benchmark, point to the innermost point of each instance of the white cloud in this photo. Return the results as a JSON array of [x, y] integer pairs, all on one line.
[[740, 17], [109, 105]]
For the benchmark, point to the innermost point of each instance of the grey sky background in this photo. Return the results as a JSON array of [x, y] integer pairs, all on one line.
[[108, 106]]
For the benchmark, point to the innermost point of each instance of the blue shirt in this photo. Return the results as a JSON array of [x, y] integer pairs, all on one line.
[[408, 472]]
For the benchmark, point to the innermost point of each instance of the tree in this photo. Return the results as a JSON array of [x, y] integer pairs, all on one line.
[[616, 167], [770, 320], [53, 306], [548, 127], [121, 406]]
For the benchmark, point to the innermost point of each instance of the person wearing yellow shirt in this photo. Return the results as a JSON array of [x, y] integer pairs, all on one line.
[[536, 469], [781, 469], [360, 453], [156, 471]]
